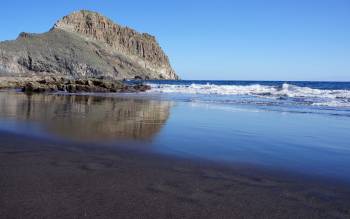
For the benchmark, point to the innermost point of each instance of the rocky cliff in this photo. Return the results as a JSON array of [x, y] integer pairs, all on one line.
[[86, 44]]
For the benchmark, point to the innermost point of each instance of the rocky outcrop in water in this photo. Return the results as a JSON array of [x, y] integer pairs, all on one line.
[[83, 45], [81, 85], [54, 84]]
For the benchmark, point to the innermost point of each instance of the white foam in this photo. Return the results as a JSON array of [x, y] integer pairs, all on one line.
[[211, 89], [318, 97]]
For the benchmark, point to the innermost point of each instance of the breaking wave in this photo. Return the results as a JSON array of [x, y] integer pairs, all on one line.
[[285, 92]]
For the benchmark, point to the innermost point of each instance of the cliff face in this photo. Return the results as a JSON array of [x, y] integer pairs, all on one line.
[[86, 44]]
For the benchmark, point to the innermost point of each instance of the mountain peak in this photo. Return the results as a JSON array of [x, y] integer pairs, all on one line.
[[83, 18], [88, 22]]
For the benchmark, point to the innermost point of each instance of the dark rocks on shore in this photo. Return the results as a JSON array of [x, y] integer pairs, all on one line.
[[81, 85]]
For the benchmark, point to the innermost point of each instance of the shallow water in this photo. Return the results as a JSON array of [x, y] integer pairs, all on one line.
[[311, 141]]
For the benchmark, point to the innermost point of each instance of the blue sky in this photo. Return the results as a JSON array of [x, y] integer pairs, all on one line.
[[229, 40]]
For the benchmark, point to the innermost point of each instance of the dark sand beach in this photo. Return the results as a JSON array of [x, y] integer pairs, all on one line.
[[46, 179]]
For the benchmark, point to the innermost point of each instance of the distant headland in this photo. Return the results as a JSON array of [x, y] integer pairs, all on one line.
[[85, 45]]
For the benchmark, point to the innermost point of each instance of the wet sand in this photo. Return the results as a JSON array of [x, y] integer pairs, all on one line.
[[41, 179]]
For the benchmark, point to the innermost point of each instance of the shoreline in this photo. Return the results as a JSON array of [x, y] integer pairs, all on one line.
[[42, 178]]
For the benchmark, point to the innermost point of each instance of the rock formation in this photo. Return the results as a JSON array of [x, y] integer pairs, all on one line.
[[86, 44], [81, 86]]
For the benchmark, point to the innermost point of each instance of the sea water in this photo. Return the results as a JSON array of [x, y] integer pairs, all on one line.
[[298, 127]]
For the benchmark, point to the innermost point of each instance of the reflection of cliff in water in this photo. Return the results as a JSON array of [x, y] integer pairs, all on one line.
[[88, 117]]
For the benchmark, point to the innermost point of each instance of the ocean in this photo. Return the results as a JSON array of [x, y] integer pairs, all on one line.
[[295, 127], [333, 97]]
